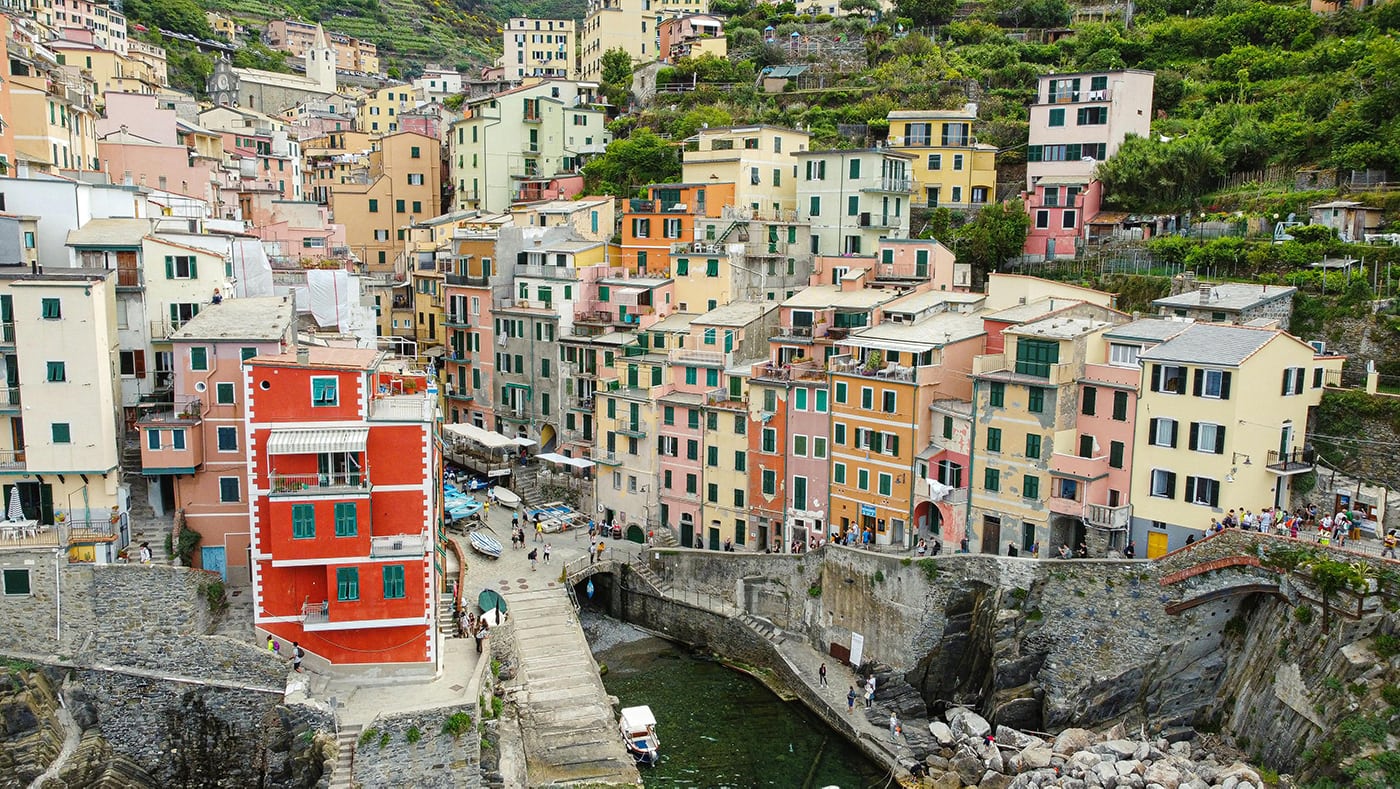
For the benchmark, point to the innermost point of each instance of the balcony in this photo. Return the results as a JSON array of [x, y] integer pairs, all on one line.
[[868, 219], [453, 320], [1082, 468], [848, 365], [997, 366], [796, 371], [632, 429], [7, 333], [9, 399], [397, 546], [467, 280], [11, 459], [584, 404], [766, 249], [705, 358], [606, 458], [461, 397], [902, 185], [30, 534], [162, 328], [1102, 516], [1075, 97], [1287, 464], [338, 483]]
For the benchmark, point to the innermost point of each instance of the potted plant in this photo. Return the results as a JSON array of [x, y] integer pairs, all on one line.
[[873, 361], [115, 515]]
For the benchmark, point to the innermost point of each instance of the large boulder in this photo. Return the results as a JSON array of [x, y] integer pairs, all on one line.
[[1118, 749], [968, 767], [994, 780], [1071, 740], [972, 725], [1011, 737], [1036, 757], [1163, 774], [941, 733]]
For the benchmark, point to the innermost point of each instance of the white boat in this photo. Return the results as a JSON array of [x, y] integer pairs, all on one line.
[[506, 497], [639, 733], [485, 545]]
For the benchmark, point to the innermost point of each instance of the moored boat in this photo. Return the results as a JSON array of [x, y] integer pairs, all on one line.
[[483, 544], [638, 727]]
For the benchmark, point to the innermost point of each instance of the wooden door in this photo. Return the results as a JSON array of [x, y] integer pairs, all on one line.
[[1156, 544]]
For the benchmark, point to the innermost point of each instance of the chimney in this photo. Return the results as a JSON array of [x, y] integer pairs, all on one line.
[[1204, 290]]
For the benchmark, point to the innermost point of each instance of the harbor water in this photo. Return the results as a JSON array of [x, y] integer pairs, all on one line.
[[720, 727]]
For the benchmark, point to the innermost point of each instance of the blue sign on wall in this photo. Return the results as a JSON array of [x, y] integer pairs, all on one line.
[[867, 509]]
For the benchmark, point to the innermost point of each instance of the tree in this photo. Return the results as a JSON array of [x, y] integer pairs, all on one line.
[[925, 13], [1153, 176], [631, 163], [996, 235], [617, 76], [868, 6]]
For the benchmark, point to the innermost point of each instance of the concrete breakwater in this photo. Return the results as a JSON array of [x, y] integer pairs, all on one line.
[[1206, 638]]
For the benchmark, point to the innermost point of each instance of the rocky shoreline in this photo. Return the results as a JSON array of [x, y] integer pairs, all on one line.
[[968, 752]]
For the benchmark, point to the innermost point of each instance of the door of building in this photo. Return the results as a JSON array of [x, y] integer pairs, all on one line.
[[1156, 544], [714, 537], [991, 534], [212, 559]]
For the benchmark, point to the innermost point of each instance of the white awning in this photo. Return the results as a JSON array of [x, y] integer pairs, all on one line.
[[522, 441], [311, 442], [486, 438], [878, 343], [554, 457]]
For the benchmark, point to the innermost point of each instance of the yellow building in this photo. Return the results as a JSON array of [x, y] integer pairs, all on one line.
[[1220, 426], [379, 110], [629, 25], [332, 159], [758, 160], [950, 168], [54, 127], [400, 183], [539, 48]]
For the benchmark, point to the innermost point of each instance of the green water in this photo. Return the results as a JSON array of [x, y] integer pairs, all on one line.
[[721, 728]]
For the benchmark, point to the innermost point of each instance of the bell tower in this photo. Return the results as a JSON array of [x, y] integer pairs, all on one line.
[[320, 61]]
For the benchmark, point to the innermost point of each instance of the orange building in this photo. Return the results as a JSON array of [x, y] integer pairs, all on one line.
[[342, 466], [651, 227], [193, 449]]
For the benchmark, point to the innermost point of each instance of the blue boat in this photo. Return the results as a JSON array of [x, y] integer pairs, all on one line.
[[484, 545]]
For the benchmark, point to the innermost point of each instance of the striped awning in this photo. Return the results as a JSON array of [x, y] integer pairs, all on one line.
[[311, 442]]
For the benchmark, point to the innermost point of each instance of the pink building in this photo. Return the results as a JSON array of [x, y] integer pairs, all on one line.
[[293, 230], [193, 450], [555, 187], [141, 143], [1060, 210]]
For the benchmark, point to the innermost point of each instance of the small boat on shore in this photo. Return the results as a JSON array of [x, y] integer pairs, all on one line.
[[638, 727], [507, 497], [493, 606], [485, 545]]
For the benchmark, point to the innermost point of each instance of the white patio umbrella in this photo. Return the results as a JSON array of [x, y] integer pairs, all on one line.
[[15, 511]]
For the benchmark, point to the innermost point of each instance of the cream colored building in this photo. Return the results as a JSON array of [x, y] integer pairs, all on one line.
[[59, 441], [629, 25], [539, 48], [1080, 119], [854, 198], [540, 133], [54, 127], [593, 218], [1221, 422], [761, 162], [948, 166]]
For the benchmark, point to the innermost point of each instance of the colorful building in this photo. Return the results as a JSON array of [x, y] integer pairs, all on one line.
[[758, 160], [539, 48], [948, 166], [666, 219], [1080, 119], [343, 471], [854, 198], [629, 25], [1221, 421], [192, 449], [1060, 209]]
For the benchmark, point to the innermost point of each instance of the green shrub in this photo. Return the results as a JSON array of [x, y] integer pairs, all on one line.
[[413, 735], [1035, 615], [367, 736], [879, 577], [1304, 614], [1391, 695], [815, 590], [930, 568], [383, 740], [1333, 684], [1387, 646], [457, 724]]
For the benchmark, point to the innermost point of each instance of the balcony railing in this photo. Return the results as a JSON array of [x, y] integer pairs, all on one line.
[[9, 398], [397, 545], [1298, 461], [606, 458], [316, 613], [1105, 517], [632, 429], [7, 332], [304, 484], [845, 363], [693, 356], [891, 185], [466, 279]]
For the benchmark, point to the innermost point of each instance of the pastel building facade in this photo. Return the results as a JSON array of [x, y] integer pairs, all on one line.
[[948, 166]]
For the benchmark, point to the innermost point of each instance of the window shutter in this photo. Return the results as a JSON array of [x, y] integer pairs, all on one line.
[[1190, 489], [1171, 484], [1175, 425], [1215, 494], [1086, 446], [1196, 384], [1156, 377], [139, 361], [1297, 380], [894, 444], [1091, 396], [521, 257], [1287, 384], [1225, 385], [1152, 430], [194, 267], [1220, 440], [174, 312], [1195, 433], [170, 267]]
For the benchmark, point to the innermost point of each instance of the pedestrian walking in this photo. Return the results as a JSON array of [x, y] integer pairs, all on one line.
[[479, 633], [894, 727], [600, 550], [821, 673], [297, 655], [1011, 549], [869, 696], [546, 553], [539, 531], [851, 700], [270, 646], [1130, 552], [534, 555]]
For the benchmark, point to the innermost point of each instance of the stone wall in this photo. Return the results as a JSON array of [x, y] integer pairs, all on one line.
[[387, 757], [1032, 644]]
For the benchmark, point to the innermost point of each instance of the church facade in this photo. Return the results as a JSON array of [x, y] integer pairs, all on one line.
[[270, 92]]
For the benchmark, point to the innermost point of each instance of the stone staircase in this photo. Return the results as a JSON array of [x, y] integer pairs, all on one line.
[[145, 525], [763, 627], [664, 537], [651, 579], [525, 481], [447, 625], [342, 774]]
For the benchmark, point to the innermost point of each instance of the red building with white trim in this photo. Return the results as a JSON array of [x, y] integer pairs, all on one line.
[[342, 462]]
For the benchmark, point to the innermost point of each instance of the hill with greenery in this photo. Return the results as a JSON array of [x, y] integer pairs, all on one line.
[[464, 34]]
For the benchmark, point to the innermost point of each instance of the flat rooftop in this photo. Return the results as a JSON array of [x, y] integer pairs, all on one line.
[[820, 297], [1149, 329], [1059, 328], [736, 313], [263, 318], [1228, 296]]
